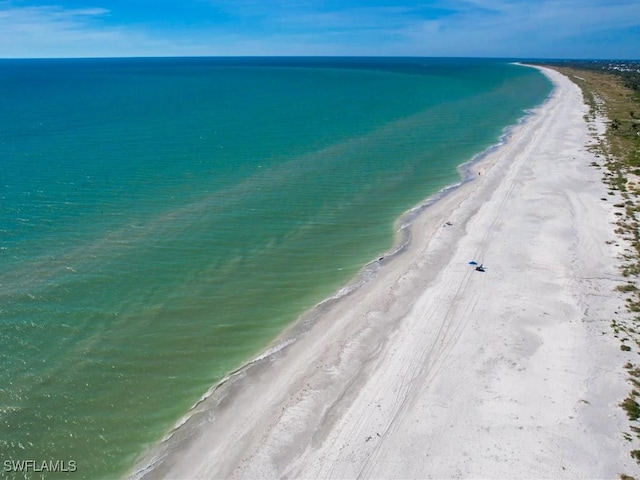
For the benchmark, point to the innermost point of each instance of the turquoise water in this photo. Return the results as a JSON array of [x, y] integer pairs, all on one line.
[[162, 220]]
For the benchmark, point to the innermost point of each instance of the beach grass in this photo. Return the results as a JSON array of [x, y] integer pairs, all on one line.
[[613, 94]]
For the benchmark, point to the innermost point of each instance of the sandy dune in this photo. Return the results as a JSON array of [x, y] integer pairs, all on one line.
[[435, 370]]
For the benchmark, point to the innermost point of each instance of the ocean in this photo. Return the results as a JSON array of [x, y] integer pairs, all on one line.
[[162, 220]]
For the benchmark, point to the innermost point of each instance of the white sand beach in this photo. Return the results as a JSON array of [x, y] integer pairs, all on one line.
[[436, 370]]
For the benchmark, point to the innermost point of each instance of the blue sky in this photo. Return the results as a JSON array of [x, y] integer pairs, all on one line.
[[475, 28]]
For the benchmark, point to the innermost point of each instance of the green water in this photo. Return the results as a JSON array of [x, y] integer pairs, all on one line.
[[162, 220]]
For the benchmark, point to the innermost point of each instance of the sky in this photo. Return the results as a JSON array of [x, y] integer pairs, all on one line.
[[597, 29]]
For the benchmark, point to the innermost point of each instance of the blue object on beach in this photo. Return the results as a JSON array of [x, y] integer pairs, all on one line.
[[473, 263]]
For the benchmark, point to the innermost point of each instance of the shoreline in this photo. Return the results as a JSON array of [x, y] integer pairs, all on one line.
[[338, 384], [402, 226], [468, 171]]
